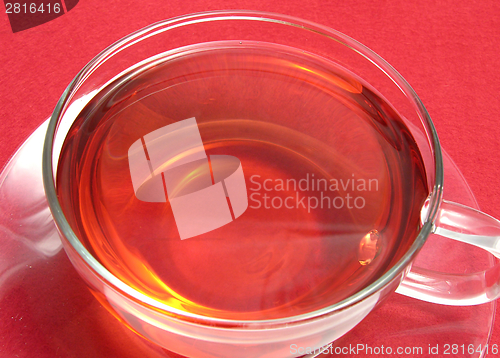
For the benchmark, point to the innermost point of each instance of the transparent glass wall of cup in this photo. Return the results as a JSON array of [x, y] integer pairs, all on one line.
[[200, 336]]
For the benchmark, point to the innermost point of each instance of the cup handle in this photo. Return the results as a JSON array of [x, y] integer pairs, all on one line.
[[460, 223]]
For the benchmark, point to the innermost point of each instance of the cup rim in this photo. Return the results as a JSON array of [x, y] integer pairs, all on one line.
[[433, 202]]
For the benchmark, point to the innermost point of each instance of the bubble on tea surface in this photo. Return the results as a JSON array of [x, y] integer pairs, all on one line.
[[369, 247]]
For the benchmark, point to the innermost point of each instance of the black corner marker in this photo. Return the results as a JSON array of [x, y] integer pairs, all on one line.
[[70, 4]]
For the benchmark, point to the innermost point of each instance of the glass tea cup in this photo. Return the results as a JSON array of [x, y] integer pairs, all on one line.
[[242, 184]]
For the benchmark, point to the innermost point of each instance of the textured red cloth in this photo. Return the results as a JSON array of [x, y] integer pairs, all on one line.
[[447, 50]]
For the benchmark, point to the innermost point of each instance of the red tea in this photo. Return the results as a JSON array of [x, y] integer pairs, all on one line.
[[333, 178]]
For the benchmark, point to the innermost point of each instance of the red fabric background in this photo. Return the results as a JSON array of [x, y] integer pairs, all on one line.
[[446, 49]]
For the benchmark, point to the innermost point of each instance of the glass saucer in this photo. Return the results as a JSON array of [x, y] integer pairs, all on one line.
[[47, 311]]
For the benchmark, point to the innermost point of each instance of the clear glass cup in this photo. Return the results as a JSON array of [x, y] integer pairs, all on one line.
[[199, 336]]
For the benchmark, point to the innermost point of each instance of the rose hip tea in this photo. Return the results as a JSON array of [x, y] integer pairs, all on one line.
[[243, 207]]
